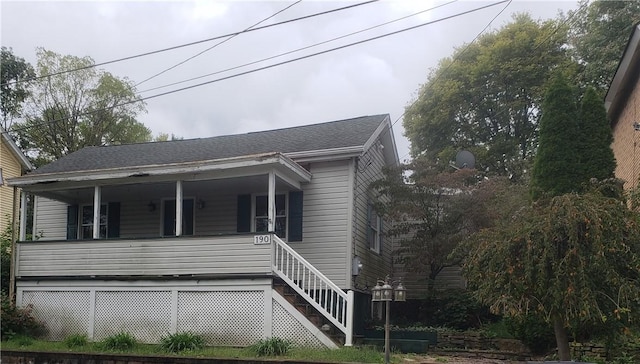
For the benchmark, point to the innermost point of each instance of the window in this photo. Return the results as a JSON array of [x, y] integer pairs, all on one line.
[[374, 229], [86, 222], [252, 214], [262, 215], [169, 220]]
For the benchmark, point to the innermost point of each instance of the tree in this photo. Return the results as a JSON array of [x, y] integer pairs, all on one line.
[[486, 97], [67, 111], [573, 261], [596, 159], [434, 210], [556, 164], [13, 88], [599, 36]]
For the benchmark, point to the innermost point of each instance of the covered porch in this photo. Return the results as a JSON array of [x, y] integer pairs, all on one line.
[[259, 193]]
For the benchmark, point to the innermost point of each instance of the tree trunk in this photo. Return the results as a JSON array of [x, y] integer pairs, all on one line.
[[562, 340]]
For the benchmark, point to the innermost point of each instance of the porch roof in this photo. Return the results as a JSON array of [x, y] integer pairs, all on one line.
[[286, 169]]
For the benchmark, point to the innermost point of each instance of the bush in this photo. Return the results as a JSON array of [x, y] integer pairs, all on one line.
[[182, 341], [121, 341], [18, 321], [453, 309], [76, 340], [272, 347], [532, 331]]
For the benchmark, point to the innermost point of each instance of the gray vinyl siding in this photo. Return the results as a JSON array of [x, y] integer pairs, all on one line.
[[51, 219], [374, 265], [167, 256], [325, 220]]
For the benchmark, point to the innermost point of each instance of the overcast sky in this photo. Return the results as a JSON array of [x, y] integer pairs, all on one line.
[[377, 77]]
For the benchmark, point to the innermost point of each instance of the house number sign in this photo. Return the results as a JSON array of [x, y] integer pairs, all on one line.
[[262, 239]]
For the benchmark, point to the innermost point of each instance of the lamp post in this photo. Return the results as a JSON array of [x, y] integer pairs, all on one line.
[[386, 293]]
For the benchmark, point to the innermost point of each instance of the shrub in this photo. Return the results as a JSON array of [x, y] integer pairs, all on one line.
[[532, 331], [121, 341], [272, 347], [18, 321], [182, 341], [76, 340]]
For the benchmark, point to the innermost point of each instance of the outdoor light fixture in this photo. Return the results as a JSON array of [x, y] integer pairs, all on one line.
[[386, 293], [636, 126], [151, 206]]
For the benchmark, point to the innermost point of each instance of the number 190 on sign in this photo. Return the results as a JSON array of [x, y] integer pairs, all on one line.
[[261, 239]]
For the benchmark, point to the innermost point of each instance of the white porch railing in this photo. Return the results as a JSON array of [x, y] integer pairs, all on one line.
[[324, 295]]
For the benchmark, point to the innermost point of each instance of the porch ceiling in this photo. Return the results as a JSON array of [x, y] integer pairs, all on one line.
[[248, 171]]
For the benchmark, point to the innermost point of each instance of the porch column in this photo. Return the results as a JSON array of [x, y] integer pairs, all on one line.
[[23, 216], [96, 211], [178, 208], [272, 201]]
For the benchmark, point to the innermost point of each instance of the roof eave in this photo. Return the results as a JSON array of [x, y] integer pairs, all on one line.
[[627, 68], [24, 161], [167, 170]]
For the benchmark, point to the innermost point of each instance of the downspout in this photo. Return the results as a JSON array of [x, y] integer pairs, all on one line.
[[14, 226]]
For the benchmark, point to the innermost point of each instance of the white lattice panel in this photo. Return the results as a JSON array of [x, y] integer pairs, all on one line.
[[63, 312], [144, 314], [232, 318], [285, 326]]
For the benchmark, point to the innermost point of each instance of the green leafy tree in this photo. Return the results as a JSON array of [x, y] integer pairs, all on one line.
[[596, 159], [67, 111], [13, 88], [486, 97], [573, 261], [556, 163], [598, 37], [434, 210]]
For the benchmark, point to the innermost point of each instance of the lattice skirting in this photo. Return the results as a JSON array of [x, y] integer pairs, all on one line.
[[226, 313]]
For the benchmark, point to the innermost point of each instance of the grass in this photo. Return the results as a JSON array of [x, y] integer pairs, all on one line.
[[344, 354]]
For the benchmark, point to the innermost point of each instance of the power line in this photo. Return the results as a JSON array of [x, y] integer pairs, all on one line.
[[272, 65], [296, 50], [568, 20], [191, 43], [455, 58], [215, 45]]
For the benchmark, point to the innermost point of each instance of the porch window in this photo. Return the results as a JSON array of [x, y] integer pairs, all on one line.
[[169, 221], [86, 229], [262, 215], [374, 229], [80, 221], [252, 213]]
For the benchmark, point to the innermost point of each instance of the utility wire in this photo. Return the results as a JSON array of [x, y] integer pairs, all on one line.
[[272, 65], [455, 58], [570, 20], [296, 50], [191, 43], [215, 45]]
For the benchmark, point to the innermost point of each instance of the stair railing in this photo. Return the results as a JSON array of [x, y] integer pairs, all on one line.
[[320, 292]]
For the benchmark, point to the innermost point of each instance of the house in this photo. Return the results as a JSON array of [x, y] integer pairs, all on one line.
[[274, 236], [13, 163], [623, 108]]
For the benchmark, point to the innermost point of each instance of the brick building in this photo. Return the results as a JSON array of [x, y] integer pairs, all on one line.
[[623, 108]]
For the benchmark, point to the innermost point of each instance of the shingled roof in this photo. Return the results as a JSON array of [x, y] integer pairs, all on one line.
[[330, 135]]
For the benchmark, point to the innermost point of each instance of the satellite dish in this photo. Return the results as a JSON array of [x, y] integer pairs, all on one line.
[[465, 159]]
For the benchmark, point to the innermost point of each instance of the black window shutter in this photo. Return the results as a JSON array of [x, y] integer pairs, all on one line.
[[244, 213], [295, 216], [187, 217], [72, 222], [113, 220]]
